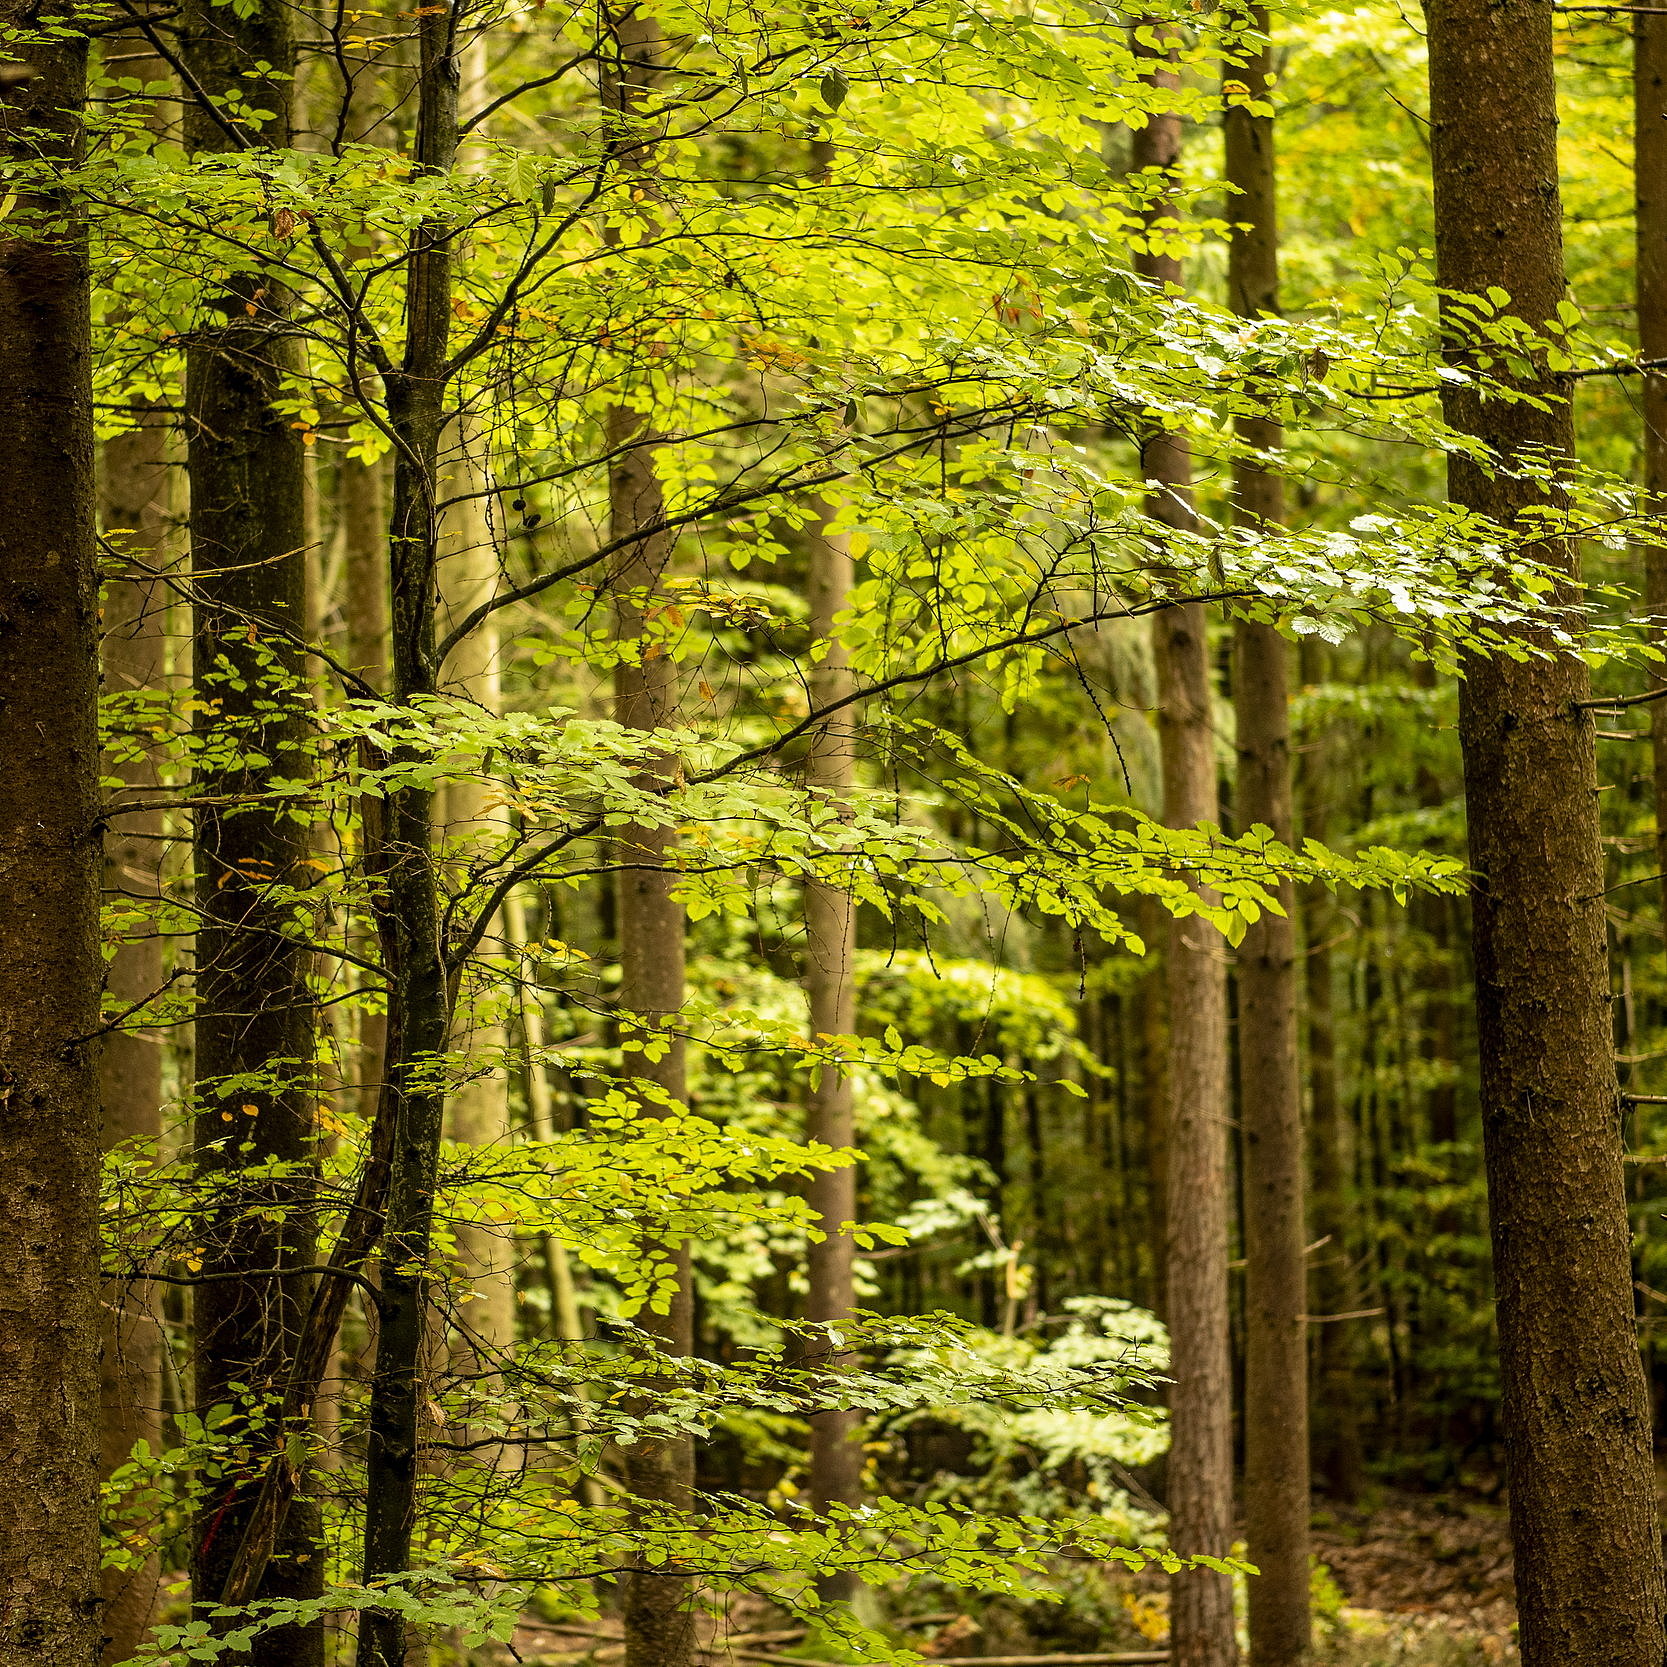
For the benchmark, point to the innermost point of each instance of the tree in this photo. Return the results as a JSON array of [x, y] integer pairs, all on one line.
[[1200, 1472], [1276, 1502], [830, 984], [1577, 1427], [50, 970], [136, 508], [255, 1032]]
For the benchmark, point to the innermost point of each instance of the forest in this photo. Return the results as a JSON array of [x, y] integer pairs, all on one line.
[[832, 833]]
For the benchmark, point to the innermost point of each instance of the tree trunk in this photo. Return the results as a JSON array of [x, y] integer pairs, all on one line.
[[136, 499], [659, 1622], [255, 1012], [1649, 80], [830, 941], [1201, 1394], [50, 968], [408, 910], [1575, 1414], [1276, 1503], [479, 1108]]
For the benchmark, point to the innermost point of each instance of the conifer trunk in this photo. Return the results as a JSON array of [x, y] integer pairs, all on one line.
[[1276, 1504], [1575, 1414], [255, 1011], [50, 968], [830, 943], [136, 499], [1200, 1475]]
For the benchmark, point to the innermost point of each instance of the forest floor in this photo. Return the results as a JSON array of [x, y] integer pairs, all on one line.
[[1423, 1580], [1412, 1581]]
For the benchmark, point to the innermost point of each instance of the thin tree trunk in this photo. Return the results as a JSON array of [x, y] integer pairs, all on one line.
[[830, 943], [1649, 79], [50, 969], [1575, 1412], [1200, 1474], [659, 1622], [1276, 1503], [136, 499], [408, 913]]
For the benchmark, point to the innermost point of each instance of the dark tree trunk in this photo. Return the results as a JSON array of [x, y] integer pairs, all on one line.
[[1276, 1502], [255, 1012], [1200, 1471], [1576, 1418], [50, 969], [408, 914]]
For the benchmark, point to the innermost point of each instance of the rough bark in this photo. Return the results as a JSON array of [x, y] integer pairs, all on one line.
[[136, 501], [1649, 80], [50, 969], [1276, 1504], [1200, 1473], [830, 941], [253, 1147], [1574, 1409], [408, 915]]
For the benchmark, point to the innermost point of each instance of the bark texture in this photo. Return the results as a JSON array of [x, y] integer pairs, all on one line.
[[50, 970], [408, 911], [1201, 1394], [1575, 1414], [253, 1145], [830, 942], [136, 500], [1276, 1504]]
